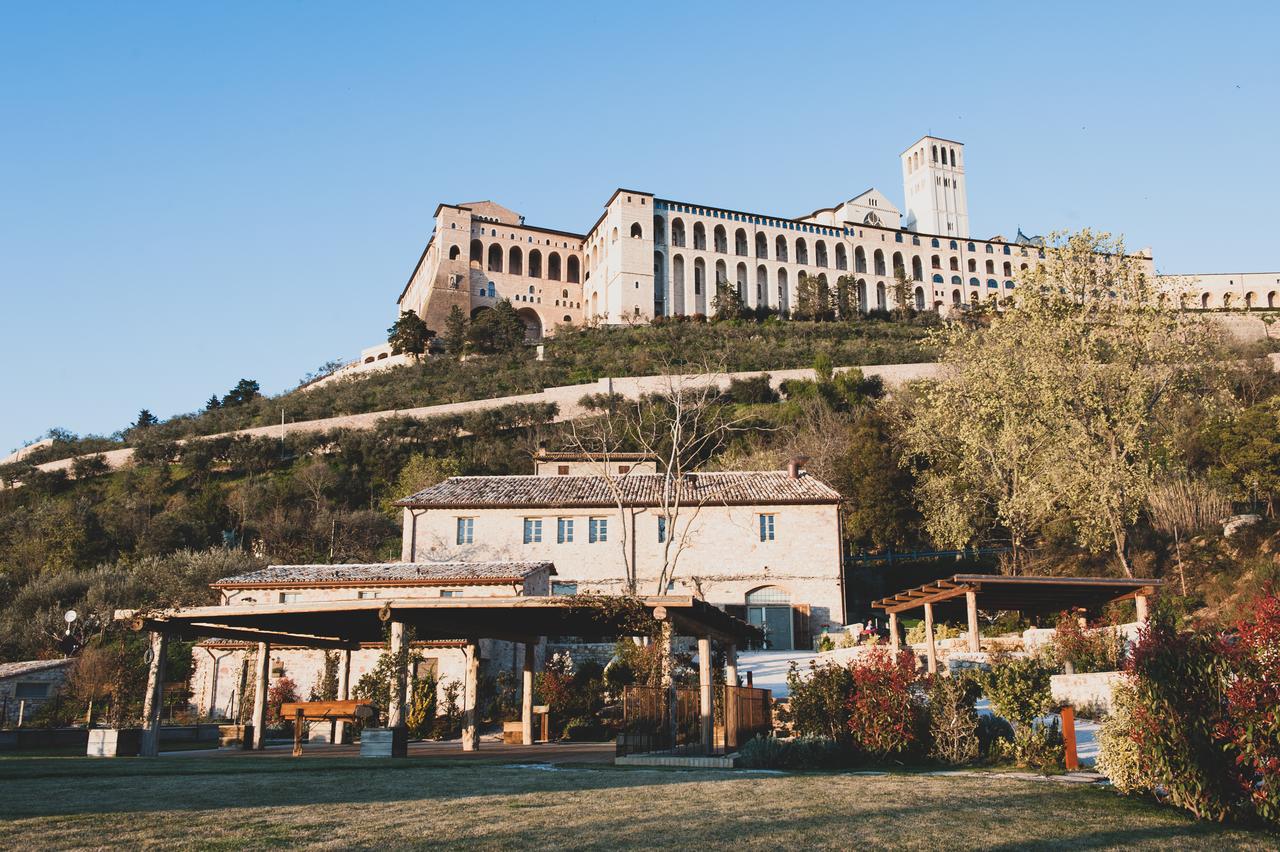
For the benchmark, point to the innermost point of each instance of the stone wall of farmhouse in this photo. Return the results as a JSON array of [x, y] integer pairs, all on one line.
[[721, 561], [9, 701]]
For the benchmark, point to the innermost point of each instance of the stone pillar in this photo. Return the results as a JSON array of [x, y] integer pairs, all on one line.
[[154, 700], [260, 695], [706, 705], [930, 648], [894, 641], [731, 665], [526, 694], [1140, 602], [971, 604], [667, 640], [470, 682], [344, 694], [395, 708]]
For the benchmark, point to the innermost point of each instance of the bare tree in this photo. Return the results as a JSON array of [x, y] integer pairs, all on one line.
[[1180, 505], [679, 426]]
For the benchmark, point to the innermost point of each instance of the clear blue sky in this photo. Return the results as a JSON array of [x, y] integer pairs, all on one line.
[[192, 193]]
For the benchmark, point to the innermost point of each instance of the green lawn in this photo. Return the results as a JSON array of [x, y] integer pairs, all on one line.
[[236, 803]]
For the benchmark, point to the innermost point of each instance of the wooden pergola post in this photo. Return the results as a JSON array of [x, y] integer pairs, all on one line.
[[395, 708], [260, 696], [154, 699], [731, 664], [666, 637], [971, 605], [706, 705], [1140, 603], [930, 648], [895, 642], [470, 678], [344, 694], [526, 693]]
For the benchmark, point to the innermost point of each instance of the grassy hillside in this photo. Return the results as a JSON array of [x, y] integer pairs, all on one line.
[[573, 357]]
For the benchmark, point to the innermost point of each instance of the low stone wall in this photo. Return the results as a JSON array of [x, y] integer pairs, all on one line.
[[1092, 693]]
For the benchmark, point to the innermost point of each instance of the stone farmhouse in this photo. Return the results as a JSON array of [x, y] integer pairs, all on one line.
[[762, 545]]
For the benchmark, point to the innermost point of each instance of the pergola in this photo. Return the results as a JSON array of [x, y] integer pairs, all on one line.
[[1028, 595], [345, 625]]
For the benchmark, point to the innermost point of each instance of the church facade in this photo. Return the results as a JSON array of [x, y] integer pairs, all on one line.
[[648, 256]]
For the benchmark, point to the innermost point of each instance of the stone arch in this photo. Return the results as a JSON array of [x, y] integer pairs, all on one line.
[[535, 264], [677, 232], [762, 246], [532, 324], [495, 258], [784, 292], [842, 257], [859, 260], [637, 232], [740, 242], [553, 266], [477, 254], [699, 236], [454, 251], [573, 272], [780, 248], [721, 240], [802, 251], [515, 261]]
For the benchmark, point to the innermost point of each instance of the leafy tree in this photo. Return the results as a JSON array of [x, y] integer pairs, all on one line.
[[455, 332], [727, 302], [806, 301], [419, 472], [246, 390], [903, 306], [409, 334], [845, 307], [497, 331], [1246, 453]]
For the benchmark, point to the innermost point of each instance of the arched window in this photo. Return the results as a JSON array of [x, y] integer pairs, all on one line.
[[740, 243], [699, 236], [477, 253], [991, 267], [1008, 269], [955, 297], [553, 266], [878, 258], [1204, 301], [454, 251], [636, 231], [937, 279], [677, 232], [762, 287], [784, 294], [955, 246], [880, 302], [573, 269], [935, 262], [859, 259], [762, 245], [955, 264], [935, 243], [919, 298], [820, 253], [935, 154], [780, 248], [953, 157], [535, 264], [944, 156], [742, 282], [842, 256], [973, 265], [722, 273], [515, 261], [677, 285], [613, 237], [970, 247], [917, 269], [769, 608], [700, 283], [659, 284], [1271, 299], [861, 289], [722, 240], [802, 251], [897, 264], [495, 258]]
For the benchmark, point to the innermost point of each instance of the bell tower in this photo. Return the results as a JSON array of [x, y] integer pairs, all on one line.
[[934, 186]]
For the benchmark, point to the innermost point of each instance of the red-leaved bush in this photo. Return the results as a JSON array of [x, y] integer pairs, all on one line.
[[1252, 720], [886, 715]]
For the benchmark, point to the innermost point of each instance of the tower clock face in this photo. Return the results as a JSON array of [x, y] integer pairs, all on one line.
[[872, 219]]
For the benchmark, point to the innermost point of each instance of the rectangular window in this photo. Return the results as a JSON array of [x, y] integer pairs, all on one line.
[[564, 530], [598, 530], [290, 597], [532, 530], [31, 690], [624, 468], [562, 470], [451, 593], [466, 530], [766, 527], [368, 596], [662, 530], [564, 588]]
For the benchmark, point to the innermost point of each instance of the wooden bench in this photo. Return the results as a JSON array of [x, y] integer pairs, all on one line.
[[513, 732], [323, 711]]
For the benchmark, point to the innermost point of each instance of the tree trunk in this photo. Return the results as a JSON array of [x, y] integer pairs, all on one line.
[[1121, 542]]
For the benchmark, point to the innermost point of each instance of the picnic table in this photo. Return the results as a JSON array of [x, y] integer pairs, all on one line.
[[324, 711]]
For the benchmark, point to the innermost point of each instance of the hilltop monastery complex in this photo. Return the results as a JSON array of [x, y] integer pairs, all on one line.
[[647, 256]]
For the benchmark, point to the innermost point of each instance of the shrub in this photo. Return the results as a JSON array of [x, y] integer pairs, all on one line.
[[770, 752], [755, 389], [1119, 757], [916, 634], [1098, 650], [1252, 726], [995, 737], [953, 721], [885, 713], [421, 715], [283, 691], [764, 752], [1018, 689], [820, 703], [1176, 714]]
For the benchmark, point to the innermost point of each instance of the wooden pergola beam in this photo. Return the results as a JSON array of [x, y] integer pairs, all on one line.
[[928, 596], [198, 630]]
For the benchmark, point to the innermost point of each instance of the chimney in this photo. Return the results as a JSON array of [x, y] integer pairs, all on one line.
[[795, 467]]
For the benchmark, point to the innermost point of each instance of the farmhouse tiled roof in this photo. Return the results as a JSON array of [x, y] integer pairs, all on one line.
[[738, 488], [28, 666], [386, 573]]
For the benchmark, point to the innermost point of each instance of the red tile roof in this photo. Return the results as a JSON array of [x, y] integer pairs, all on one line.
[[386, 573]]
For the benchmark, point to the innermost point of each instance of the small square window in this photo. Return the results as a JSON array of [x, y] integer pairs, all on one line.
[[368, 596], [562, 470], [451, 593], [290, 597], [624, 468]]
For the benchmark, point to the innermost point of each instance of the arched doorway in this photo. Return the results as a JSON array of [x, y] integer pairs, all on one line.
[[532, 324], [769, 608]]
